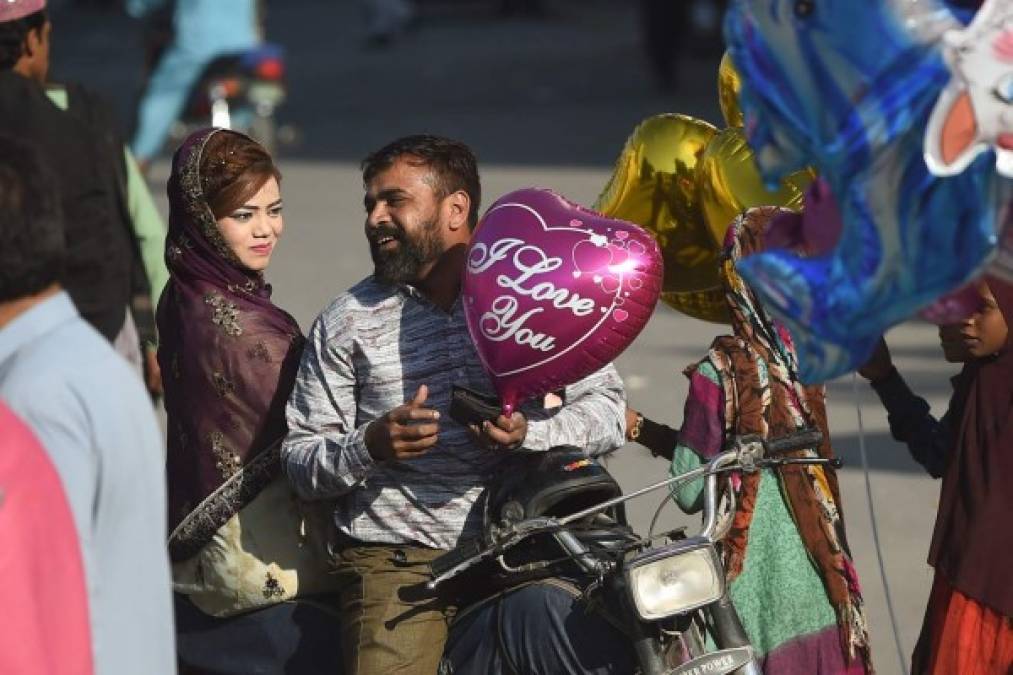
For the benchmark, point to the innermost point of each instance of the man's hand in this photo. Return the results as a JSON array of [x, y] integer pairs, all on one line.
[[879, 364], [406, 432], [503, 433]]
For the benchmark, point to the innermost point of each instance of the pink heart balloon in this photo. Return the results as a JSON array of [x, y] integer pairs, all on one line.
[[552, 291]]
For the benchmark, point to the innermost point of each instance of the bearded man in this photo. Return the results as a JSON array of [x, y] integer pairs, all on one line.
[[368, 417]]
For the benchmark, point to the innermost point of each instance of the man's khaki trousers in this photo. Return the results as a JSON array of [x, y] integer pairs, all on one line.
[[390, 623]]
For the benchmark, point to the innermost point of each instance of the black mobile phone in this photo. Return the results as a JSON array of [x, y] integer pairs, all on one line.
[[468, 406]]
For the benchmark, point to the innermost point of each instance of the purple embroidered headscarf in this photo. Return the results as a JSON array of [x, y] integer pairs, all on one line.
[[229, 358]]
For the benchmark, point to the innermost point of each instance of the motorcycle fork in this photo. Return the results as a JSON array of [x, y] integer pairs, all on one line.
[[645, 646], [643, 636], [728, 631]]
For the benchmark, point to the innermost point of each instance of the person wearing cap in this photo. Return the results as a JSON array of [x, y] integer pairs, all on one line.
[[124, 266]]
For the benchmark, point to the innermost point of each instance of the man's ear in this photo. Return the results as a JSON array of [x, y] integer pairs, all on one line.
[[458, 205], [29, 45], [33, 40]]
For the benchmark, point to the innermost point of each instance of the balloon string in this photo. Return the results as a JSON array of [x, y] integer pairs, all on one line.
[[875, 527]]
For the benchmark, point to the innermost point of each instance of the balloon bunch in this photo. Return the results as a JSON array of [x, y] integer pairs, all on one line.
[[684, 181], [975, 110], [552, 292], [816, 229], [848, 88]]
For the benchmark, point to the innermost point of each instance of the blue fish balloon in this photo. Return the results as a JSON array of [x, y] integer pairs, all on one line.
[[847, 86]]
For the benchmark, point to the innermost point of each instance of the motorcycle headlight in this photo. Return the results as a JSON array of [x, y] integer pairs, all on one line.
[[674, 579]]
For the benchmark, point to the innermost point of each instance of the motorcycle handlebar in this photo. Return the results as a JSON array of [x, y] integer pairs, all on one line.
[[742, 456], [800, 440], [460, 554], [750, 453]]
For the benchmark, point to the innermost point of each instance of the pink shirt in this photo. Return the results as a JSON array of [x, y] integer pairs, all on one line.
[[43, 597]]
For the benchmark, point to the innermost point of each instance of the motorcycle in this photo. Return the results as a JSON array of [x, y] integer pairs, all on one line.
[[666, 597], [239, 91]]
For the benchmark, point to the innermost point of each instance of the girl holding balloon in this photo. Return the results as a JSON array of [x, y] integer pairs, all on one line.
[[968, 626]]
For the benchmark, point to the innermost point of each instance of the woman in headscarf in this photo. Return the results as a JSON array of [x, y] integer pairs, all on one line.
[[786, 556], [229, 357], [968, 626]]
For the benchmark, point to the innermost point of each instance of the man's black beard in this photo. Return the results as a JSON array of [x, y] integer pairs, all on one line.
[[403, 264]]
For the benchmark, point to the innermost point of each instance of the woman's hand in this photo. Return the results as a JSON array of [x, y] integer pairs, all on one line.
[[879, 365]]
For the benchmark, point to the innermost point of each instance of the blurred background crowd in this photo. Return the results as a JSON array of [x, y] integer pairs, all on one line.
[[352, 63]]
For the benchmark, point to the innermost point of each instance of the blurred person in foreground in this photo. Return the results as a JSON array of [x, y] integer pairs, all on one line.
[[39, 548], [369, 427], [115, 272], [92, 416], [242, 564], [968, 624], [202, 30]]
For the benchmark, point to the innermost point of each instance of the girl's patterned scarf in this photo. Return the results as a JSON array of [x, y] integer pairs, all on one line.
[[757, 368], [229, 358]]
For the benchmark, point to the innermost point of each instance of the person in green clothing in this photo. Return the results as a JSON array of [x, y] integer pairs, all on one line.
[[133, 271], [786, 555], [149, 231]]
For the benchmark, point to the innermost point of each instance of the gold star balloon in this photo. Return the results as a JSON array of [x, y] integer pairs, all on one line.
[[655, 186], [729, 85], [729, 183]]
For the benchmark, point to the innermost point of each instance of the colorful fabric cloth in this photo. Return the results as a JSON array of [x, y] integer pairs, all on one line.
[[962, 636], [748, 384], [46, 629], [228, 357], [779, 594]]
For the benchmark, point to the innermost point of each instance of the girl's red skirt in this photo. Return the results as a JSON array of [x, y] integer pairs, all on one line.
[[962, 637]]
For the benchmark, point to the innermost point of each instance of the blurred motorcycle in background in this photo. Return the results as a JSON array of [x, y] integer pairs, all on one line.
[[238, 81], [241, 92]]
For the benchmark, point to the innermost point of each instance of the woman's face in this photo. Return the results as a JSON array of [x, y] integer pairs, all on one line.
[[252, 231], [979, 335]]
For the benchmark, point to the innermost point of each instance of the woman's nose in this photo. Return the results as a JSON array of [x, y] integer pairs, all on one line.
[[261, 226]]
